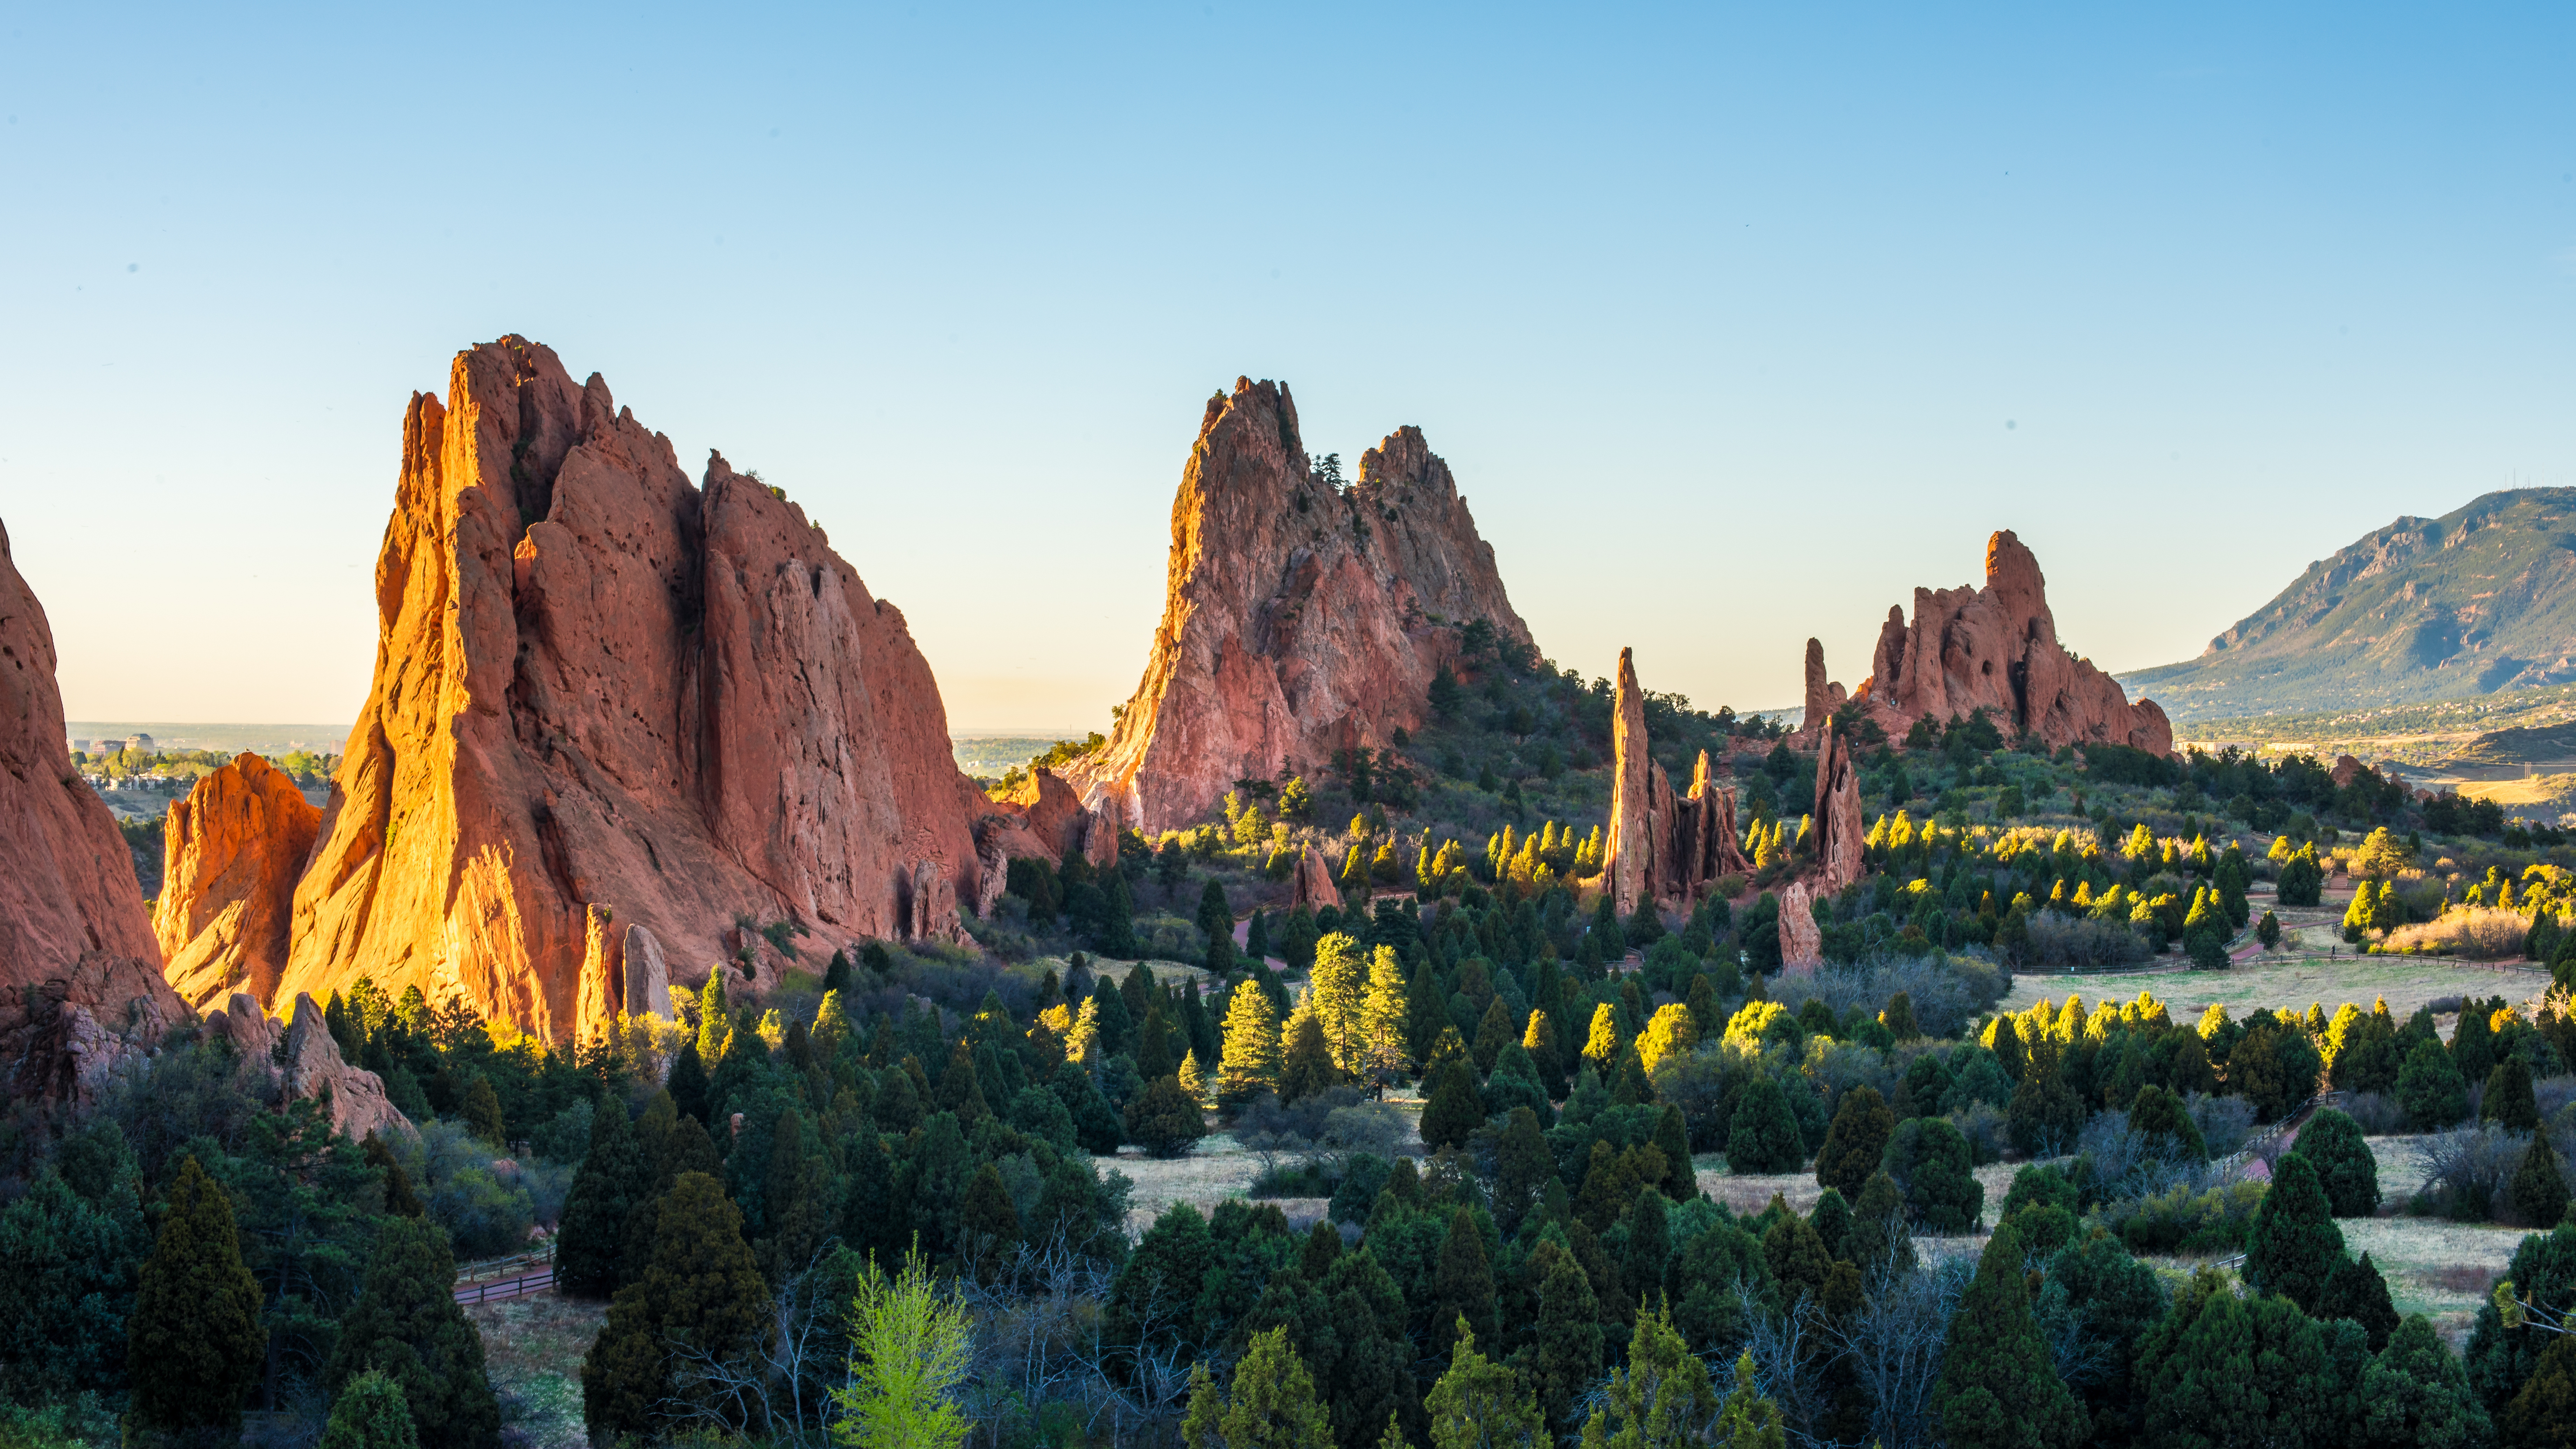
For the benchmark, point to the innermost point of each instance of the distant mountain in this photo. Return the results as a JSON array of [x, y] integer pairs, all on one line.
[[2477, 600]]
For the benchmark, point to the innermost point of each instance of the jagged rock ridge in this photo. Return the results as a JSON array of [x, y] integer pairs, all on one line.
[[231, 853], [614, 715], [1993, 648], [1298, 620], [80, 972], [1661, 850]]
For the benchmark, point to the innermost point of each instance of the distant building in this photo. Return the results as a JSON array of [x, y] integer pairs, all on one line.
[[80, 747], [139, 742]]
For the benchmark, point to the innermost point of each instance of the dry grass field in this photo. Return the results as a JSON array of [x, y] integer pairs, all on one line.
[[533, 1348], [2292, 982]]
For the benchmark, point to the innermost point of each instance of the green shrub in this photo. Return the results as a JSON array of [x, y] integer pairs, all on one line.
[[2332, 1143]]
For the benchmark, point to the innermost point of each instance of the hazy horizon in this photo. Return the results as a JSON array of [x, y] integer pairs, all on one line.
[[1736, 324]]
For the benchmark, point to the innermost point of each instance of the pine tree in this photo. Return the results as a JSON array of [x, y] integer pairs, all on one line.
[[1878, 1239], [911, 1347], [1337, 988], [1523, 1167], [612, 1179], [1454, 1110], [2356, 1291], [196, 1318], [1384, 1017], [2346, 1168], [1462, 1288], [2507, 1098], [702, 1286], [1163, 1120], [1998, 1386], [2416, 1392], [1663, 1389], [1481, 1404], [988, 1225], [1934, 1167], [1250, 1064], [1306, 1058], [483, 1111], [687, 1083], [2539, 1188], [1601, 1043], [1426, 1012], [370, 1414], [2294, 1245], [1566, 1352], [1269, 1402], [2473, 1043], [1672, 1138], [1855, 1142], [2543, 1410], [408, 1326], [1898, 1018], [2430, 1088], [1762, 1136], [400, 1200]]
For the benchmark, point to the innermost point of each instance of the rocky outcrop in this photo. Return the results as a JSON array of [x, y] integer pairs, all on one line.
[[1839, 836], [1661, 850], [1802, 946], [231, 853], [600, 686], [1298, 619], [310, 1066], [2346, 770], [80, 972], [1313, 885], [1823, 695], [1995, 648]]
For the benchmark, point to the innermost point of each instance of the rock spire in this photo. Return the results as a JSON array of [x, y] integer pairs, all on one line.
[[1298, 619], [80, 972], [613, 708], [1661, 850], [230, 854]]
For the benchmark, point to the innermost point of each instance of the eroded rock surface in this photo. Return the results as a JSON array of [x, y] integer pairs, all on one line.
[[598, 685], [1802, 946], [80, 972], [1840, 838], [1298, 620], [1995, 648], [312, 1066], [231, 854], [1660, 848]]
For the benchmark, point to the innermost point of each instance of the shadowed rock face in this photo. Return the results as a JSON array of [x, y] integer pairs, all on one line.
[[1994, 648], [231, 853], [72, 922], [1297, 620], [597, 685], [1661, 850]]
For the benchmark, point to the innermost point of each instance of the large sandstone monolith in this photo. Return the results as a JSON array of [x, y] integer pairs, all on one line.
[[1995, 648], [1298, 620], [231, 853], [1839, 836], [1661, 850], [80, 972], [1313, 886], [1802, 946], [598, 685], [1822, 699]]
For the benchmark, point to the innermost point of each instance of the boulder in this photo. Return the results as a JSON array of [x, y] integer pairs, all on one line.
[[1298, 620], [1313, 886], [80, 971], [1802, 946], [231, 853], [1995, 648], [311, 1065], [598, 685]]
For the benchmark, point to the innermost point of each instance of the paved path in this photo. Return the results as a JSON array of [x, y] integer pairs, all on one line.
[[499, 1289]]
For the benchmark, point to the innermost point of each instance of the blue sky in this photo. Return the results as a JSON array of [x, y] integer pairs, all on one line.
[[1735, 322]]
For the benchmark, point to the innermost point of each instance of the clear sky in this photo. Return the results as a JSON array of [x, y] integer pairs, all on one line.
[[1735, 322]]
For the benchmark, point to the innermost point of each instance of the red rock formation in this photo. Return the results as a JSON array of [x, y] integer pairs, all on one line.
[[1313, 887], [1996, 649], [1802, 946], [2346, 770], [231, 853], [1839, 835], [1823, 695], [313, 1066], [597, 685], [1660, 849], [72, 922], [1297, 621]]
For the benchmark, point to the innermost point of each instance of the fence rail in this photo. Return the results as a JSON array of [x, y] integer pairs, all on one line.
[[471, 1293], [2291, 1121]]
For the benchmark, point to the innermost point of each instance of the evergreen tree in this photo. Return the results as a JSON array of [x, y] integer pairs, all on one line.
[[2543, 1411], [400, 1200], [1566, 1351], [483, 1111], [2416, 1393], [2346, 1168], [2219, 1368], [1878, 1240], [2356, 1291], [1306, 1059], [1898, 1018], [2165, 1121], [2294, 1245], [1463, 1286], [1250, 1063], [911, 1347], [196, 1320], [407, 1326], [1856, 1141], [2507, 1098], [1654, 1401], [1337, 988], [1933, 1166], [2430, 1089], [1762, 1136], [2473, 1051], [1522, 1167], [1998, 1385], [1672, 1138], [1163, 1120], [2539, 1188], [370, 1414], [1384, 1018], [612, 1179], [1269, 1403], [702, 1288], [1454, 1110], [988, 1225], [1426, 1013], [1831, 1217], [687, 1083], [1481, 1404]]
